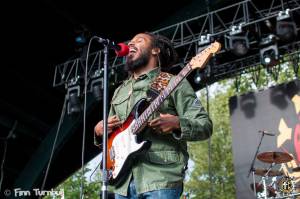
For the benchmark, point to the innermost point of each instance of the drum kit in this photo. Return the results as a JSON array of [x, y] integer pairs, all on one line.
[[274, 183]]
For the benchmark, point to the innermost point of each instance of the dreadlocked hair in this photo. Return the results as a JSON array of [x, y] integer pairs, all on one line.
[[168, 55]]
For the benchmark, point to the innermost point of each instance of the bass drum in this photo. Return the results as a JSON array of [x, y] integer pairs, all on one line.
[[286, 187]]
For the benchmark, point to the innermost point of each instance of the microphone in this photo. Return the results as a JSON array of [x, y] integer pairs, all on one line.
[[121, 49], [266, 133]]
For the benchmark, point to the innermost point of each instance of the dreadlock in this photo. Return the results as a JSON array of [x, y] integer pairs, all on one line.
[[168, 55]]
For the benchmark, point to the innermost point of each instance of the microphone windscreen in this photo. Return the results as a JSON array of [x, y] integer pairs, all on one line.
[[123, 51]]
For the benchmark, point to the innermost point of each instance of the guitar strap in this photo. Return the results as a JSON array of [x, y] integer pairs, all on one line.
[[158, 85]]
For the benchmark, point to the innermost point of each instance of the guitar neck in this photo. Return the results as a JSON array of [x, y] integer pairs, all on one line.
[[155, 104]]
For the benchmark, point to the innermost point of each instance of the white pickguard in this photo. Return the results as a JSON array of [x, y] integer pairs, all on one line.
[[123, 145]]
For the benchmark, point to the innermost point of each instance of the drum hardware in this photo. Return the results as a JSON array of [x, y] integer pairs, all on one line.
[[284, 187], [271, 173]]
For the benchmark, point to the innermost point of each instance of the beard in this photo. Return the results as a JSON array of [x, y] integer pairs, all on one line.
[[131, 65]]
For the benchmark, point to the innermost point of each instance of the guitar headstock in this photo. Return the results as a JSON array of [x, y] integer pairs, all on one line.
[[201, 58]]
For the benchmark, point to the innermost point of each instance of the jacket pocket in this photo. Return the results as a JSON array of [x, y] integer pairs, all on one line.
[[163, 157], [120, 105]]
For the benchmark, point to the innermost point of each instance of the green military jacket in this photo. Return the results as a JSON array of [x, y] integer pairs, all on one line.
[[164, 164]]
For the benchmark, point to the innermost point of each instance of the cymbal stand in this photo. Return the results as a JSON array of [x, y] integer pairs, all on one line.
[[265, 187], [252, 170]]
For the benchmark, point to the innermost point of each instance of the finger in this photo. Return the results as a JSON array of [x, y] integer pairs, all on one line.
[[166, 130], [98, 133], [112, 125], [154, 122], [115, 119]]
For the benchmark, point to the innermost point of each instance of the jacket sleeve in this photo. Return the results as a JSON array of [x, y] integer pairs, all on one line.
[[195, 123]]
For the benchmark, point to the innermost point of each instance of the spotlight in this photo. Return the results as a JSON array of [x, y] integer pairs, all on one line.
[[286, 30], [197, 77], [269, 55], [82, 35], [73, 97], [80, 39], [238, 45], [202, 74], [97, 84]]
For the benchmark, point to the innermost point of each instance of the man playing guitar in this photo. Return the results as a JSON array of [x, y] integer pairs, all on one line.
[[158, 170]]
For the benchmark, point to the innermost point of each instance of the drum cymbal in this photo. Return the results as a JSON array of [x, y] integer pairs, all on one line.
[[262, 172], [297, 169], [274, 157]]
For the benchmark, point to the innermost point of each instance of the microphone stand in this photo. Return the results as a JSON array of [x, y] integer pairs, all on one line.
[[253, 162], [105, 110]]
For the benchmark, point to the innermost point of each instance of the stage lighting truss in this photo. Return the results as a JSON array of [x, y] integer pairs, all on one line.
[[226, 23], [74, 96]]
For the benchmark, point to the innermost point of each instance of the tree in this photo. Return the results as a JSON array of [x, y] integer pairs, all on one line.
[[71, 186]]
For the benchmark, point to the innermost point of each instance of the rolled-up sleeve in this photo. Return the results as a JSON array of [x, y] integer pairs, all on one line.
[[195, 123]]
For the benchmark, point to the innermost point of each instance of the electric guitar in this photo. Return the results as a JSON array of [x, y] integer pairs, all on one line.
[[123, 143]]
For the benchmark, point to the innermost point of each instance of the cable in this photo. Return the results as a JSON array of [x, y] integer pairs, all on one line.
[[84, 116], [54, 143], [209, 144], [2, 164], [5, 149]]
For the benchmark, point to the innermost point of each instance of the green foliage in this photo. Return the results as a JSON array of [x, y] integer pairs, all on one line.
[[71, 186]]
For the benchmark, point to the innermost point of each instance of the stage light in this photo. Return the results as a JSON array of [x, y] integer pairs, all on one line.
[[97, 84], [269, 55], [80, 39], [238, 45], [202, 74], [73, 97], [197, 77], [286, 30]]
